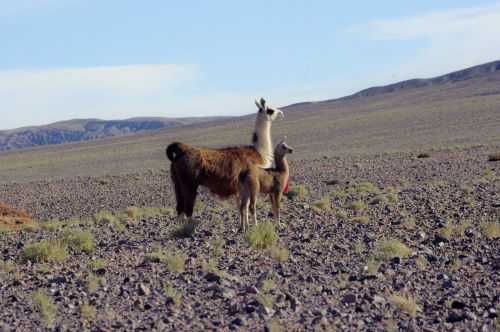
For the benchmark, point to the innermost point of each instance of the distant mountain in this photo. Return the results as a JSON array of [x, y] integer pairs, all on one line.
[[88, 129], [454, 77], [475, 72]]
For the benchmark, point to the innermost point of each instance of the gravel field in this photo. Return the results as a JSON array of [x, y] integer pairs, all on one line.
[[381, 243]]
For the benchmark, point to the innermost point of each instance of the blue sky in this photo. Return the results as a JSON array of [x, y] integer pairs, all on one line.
[[63, 59]]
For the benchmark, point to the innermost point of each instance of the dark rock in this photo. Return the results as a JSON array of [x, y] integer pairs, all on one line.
[[212, 277], [453, 317], [349, 298], [457, 304], [58, 280]]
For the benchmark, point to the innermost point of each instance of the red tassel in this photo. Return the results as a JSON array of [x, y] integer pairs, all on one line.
[[285, 190]]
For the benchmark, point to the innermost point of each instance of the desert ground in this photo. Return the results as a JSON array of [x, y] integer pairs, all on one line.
[[378, 242], [392, 223]]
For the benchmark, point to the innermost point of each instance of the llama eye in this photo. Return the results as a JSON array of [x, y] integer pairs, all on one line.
[[270, 111]]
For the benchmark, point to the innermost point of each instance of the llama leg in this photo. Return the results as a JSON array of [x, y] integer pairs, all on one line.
[[178, 193], [189, 192], [242, 206], [278, 208], [253, 211]]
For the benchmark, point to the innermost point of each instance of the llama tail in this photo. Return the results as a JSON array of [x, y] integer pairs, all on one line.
[[174, 151]]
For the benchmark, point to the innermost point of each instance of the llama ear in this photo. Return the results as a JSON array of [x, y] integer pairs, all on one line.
[[259, 106], [263, 103]]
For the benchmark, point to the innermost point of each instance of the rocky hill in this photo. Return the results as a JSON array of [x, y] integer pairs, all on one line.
[[87, 129]]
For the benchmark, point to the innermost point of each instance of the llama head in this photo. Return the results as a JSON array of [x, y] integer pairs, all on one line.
[[282, 149], [266, 112]]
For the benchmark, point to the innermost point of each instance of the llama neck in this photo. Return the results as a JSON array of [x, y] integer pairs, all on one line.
[[262, 141], [282, 165]]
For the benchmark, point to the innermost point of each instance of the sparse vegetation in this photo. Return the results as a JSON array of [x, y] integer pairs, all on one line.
[[7, 266], [94, 282], [490, 230], [87, 312], [322, 205], [79, 240], [299, 192], [358, 206], [265, 300], [268, 285], [97, 264], [185, 229], [359, 247], [372, 267], [364, 220], [45, 307], [389, 249], [406, 304], [171, 293], [280, 254], [341, 214], [365, 187], [262, 236], [51, 225], [45, 251], [174, 261], [421, 263], [217, 247]]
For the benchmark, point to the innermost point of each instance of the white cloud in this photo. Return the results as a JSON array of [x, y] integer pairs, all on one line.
[[43, 96], [451, 40], [19, 7]]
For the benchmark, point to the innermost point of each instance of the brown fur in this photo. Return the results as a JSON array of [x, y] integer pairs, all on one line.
[[216, 169], [267, 181]]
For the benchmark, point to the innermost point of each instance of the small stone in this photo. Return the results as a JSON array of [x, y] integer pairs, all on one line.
[[492, 313], [239, 321], [144, 290], [349, 298], [252, 290]]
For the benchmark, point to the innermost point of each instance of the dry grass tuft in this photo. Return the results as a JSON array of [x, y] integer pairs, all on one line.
[[389, 249], [171, 293], [358, 206], [45, 251], [280, 254], [79, 240], [87, 312], [406, 304], [490, 230], [364, 220], [299, 192], [262, 236], [321, 205], [46, 308], [185, 229]]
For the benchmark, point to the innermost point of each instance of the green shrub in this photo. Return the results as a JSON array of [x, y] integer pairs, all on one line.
[[358, 206], [404, 303], [79, 240], [322, 205], [262, 236], [87, 311], [45, 251], [46, 308], [299, 192], [279, 254], [389, 249]]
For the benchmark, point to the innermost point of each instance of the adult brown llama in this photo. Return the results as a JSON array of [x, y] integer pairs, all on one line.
[[219, 169], [272, 181]]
